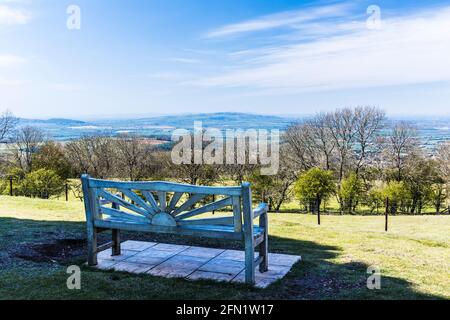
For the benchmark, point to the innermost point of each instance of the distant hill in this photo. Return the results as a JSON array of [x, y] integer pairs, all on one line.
[[54, 121], [220, 120], [431, 131], [158, 126]]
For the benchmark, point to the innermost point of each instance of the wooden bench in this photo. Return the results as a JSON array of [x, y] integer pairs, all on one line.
[[164, 207]]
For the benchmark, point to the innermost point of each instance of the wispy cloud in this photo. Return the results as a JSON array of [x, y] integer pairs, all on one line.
[[12, 16], [183, 60], [8, 60], [283, 19], [10, 82], [409, 49]]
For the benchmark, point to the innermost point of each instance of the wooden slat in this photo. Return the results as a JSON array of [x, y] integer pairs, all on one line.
[[208, 221], [258, 260], [104, 202], [104, 247], [173, 202], [264, 246], [122, 203], [165, 186], [88, 198], [248, 233], [210, 207], [237, 214], [260, 210], [162, 198], [151, 199], [193, 199], [183, 230], [138, 200], [124, 215], [258, 239]]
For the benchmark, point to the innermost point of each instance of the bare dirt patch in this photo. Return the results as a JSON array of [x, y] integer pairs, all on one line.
[[58, 251]]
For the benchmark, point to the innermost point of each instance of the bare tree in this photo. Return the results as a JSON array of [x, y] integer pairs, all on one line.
[[443, 158], [303, 147], [399, 145], [134, 157], [7, 124], [322, 138], [93, 155], [191, 171], [369, 121], [342, 127], [27, 141]]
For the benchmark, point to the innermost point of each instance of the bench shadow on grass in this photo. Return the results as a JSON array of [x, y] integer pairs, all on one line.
[[40, 243]]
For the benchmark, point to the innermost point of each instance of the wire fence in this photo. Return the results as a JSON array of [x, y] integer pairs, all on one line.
[[378, 207], [12, 191]]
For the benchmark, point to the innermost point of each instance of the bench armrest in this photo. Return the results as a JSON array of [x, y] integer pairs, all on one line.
[[261, 209]]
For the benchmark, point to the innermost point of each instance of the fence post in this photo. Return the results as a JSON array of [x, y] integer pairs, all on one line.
[[67, 192], [11, 186], [318, 209], [386, 215]]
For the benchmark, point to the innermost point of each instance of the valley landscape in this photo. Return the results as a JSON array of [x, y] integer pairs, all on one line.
[[431, 130]]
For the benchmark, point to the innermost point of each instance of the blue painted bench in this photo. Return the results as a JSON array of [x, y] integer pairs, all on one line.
[[164, 207]]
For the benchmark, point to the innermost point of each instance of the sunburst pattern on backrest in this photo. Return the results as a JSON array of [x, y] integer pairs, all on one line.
[[167, 204]]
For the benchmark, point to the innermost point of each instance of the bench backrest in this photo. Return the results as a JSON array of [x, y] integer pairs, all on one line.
[[166, 204]]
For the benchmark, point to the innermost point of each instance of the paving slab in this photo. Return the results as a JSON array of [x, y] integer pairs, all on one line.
[[202, 252], [137, 245], [131, 267], [192, 262], [107, 255], [105, 264], [206, 275], [223, 266]]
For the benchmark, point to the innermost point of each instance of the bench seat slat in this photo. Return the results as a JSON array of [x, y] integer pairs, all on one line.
[[208, 231]]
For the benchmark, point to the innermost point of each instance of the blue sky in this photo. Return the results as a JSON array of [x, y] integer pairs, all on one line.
[[133, 58]]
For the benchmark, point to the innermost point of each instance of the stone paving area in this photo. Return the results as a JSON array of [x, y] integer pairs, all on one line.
[[192, 263]]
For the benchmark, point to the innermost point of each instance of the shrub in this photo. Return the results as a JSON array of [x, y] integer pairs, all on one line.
[[42, 184], [351, 192], [398, 195], [51, 156], [375, 199], [314, 186], [17, 175]]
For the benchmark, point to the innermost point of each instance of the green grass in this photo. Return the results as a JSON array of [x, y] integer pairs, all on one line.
[[40, 238]]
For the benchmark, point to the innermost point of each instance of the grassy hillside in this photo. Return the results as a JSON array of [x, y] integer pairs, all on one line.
[[39, 239]]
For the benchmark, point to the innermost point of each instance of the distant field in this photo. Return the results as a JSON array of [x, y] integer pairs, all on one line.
[[430, 131], [40, 238]]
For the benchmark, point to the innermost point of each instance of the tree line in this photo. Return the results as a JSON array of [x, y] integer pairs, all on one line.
[[353, 155]]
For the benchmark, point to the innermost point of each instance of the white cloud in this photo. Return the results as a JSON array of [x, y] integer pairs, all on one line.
[[183, 60], [283, 19], [8, 60], [409, 49], [10, 82], [12, 16]]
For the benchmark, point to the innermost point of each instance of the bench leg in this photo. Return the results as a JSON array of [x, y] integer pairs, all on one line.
[[264, 246], [92, 245], [116, 242], [249, 261], [264, 253]]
